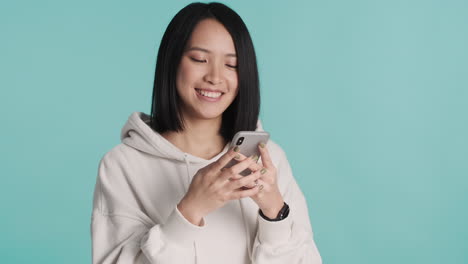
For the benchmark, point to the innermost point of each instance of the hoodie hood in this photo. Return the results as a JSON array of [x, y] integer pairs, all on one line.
[[137, 134]]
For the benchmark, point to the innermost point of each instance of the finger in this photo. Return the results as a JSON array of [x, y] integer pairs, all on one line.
[[242, 165], [241, 157], [266, 160], [238, 194], [235, 177], [253, 167], [251, 185], [262, 185], [229, 179], [225, 159], [250, 179]]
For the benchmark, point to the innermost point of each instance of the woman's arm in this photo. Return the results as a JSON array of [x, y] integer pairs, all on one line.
[[120, 239], [122, 233], [291, 239]]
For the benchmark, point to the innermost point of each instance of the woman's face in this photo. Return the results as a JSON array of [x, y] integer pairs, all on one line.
[[207, 75]]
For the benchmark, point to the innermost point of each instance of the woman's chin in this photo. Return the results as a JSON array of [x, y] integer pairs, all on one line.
[[204, 111], [207, 115], [210, 116]]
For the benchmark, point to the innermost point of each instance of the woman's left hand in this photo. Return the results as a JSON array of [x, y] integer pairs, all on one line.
[[269, 198]]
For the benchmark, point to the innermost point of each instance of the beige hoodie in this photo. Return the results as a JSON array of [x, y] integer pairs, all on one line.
[[135, 217]]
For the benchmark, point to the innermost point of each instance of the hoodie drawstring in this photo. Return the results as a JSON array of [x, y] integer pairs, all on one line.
[[247, 231], [244, 217], [187, 166], [187, 185]]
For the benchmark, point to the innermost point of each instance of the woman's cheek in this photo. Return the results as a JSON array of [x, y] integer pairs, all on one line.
[[233, 79]]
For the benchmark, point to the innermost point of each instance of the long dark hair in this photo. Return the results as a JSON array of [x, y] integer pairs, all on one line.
[[243, 112]]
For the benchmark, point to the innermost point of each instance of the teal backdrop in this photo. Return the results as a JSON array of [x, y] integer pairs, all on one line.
[[368, 98]]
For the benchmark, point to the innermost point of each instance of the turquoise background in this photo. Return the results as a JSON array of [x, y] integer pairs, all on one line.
[[368, 99]]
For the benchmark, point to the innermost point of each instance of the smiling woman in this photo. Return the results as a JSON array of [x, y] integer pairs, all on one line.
[[164, 195], [215, 38], [207, 77]]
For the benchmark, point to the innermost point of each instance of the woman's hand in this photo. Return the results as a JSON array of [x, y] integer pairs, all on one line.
[[213, 186], [268, 198]]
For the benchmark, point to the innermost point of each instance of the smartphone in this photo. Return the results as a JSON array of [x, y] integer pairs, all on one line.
[[248, 141]]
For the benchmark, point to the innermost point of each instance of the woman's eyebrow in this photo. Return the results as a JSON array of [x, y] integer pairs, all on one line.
[[207, 51]]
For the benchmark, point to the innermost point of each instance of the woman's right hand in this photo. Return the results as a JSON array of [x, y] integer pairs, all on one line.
[[213, 186]]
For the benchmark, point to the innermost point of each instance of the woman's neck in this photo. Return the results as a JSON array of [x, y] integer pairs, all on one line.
[[200, 137]]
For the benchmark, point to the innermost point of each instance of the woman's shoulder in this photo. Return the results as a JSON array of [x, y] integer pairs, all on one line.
[[117, 154], [275, 150], [274, 147], [277, 153]]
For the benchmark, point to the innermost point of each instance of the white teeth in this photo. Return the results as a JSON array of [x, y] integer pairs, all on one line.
[[209, 94]]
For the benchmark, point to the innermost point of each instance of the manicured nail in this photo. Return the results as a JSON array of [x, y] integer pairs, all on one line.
[[255, 157], [237, 156], [263, 171], [236, 149], [262, 145]]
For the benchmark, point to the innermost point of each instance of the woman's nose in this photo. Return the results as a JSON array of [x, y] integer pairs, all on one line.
[[213, 75]]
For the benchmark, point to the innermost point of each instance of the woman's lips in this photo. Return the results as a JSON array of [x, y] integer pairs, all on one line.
[[207, 95]]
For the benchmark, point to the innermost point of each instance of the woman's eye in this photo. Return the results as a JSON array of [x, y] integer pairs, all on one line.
[[232, 66], [197, 60]]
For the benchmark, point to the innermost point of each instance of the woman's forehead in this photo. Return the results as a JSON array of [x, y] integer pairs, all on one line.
[[210, 36]]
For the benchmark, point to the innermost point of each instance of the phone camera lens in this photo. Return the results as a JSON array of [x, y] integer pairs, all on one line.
[[240, 140]]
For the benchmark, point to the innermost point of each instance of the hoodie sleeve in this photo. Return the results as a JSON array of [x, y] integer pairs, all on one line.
[[291, 239], [122, 233]]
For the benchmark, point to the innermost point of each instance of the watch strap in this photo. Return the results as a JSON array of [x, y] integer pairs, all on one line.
[[282, 214]]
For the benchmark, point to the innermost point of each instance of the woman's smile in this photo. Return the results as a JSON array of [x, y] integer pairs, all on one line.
[[209, 95]]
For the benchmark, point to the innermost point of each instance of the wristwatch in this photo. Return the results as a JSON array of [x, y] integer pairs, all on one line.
[[282, 214]]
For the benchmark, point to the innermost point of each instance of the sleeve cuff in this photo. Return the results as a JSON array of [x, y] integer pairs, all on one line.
[[180, 230], [277, 232]]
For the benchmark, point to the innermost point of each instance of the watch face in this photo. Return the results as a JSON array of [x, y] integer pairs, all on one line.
[[284, 212]]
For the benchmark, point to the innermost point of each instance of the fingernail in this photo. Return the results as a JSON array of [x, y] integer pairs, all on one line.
[[263, 171], [262, 145], [236, 149], [237, 156], [255, 157]]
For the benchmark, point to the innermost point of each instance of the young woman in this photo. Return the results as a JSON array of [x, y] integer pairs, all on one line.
[[163, 194]]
